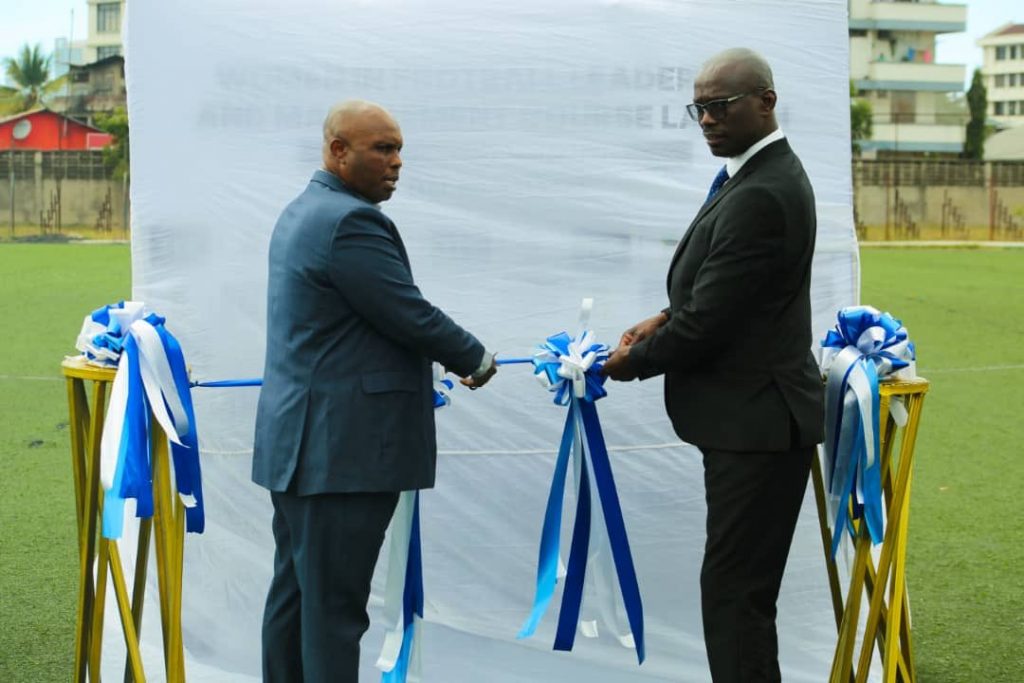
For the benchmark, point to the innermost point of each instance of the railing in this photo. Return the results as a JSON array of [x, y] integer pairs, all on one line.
[[63, 165], [909, 173]]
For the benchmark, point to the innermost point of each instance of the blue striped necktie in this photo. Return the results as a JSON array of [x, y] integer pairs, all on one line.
[[717, 183]]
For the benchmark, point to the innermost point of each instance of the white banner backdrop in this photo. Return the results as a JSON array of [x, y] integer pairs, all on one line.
[[548, 157]]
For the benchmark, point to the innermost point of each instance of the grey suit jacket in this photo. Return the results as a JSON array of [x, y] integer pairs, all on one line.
[[739, 373], [347, 397]]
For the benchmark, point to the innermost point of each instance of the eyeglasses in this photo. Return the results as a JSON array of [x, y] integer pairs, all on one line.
[[716, 108]]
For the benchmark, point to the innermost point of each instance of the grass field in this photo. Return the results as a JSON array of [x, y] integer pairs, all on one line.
[[963, 308]]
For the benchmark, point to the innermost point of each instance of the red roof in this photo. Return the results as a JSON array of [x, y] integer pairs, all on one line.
[[49, 131]]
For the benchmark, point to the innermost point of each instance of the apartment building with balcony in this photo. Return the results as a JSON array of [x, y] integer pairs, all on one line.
[[892, 65], [1003, 72], [106, 21]]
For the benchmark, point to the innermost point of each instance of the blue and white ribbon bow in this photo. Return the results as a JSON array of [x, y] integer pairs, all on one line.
[[151, 379], [865, 345], [570, 367], [403, 590]]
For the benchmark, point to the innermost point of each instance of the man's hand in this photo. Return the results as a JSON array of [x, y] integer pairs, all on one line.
[[618, 367], [642, 330], [477, 381]]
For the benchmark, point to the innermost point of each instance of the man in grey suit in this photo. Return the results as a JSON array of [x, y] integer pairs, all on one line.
[[345, 418], [734, 345]]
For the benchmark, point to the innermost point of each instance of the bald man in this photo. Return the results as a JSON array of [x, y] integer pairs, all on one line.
[[734, 345], [345, 419]]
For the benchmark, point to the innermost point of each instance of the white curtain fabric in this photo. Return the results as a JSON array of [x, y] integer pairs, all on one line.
[[548, 158]]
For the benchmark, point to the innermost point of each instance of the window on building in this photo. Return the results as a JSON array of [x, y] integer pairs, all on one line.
[[1000, 52], [903, 107], [1011, 108], [1013, 52], [108, 17], [105, 51], [998, 109], [1011, 80], [1000, 80]]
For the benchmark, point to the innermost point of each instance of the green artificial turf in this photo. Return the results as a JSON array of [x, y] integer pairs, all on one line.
[[964, 310], [45, 291]]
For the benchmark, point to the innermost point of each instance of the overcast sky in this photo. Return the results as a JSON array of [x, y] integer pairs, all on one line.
[[42, 21]]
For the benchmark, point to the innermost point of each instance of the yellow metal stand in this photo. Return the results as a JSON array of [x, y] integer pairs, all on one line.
[[100, 557], [887, 625]]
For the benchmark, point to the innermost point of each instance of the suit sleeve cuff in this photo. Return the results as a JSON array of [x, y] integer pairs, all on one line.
[[639, 362], [485, 364]]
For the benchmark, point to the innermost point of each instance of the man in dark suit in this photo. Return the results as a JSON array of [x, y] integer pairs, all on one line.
[[734, 345], [345, 418]]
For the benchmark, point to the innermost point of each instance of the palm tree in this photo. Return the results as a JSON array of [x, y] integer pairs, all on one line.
[[30, 71]]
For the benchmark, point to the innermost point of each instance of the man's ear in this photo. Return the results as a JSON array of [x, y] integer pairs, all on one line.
[[338, 149], [768, 100]]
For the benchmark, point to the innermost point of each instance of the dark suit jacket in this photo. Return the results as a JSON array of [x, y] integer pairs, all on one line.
[[347, 398], [739, 373]]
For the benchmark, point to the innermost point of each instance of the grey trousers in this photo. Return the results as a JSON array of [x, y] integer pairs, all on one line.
[[315, 615]]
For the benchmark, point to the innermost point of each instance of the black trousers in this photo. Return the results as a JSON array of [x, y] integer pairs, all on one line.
[[753, 503], [327, 548]]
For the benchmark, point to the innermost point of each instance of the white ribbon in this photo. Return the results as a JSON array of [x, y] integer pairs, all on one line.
[[574, 365], [158, 383], [394, 588], [601, 594]]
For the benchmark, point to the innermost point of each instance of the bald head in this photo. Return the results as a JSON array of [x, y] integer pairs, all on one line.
[[344, 119], [738, 88], [361, 146], [739, 68]]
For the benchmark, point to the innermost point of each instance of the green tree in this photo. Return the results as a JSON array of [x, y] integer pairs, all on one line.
[[860, 120], [30, 72], [977, 103], [116, 155]]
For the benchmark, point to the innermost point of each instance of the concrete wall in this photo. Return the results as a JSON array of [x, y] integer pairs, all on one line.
[[89, 197], [81, 203], [937, 212], [939, 200]]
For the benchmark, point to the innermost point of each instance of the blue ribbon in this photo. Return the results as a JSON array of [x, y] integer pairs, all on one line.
[[412, 594], [864, 346], [133, 475], [412, 600], [571, 369], [104, 348], [132, 478], [188, 476], [223, 383]]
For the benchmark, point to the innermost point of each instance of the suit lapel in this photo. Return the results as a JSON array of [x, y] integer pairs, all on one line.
[[704, 209], [775, 148]]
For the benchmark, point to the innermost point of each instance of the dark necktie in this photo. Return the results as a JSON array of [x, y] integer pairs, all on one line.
[[717, 183]]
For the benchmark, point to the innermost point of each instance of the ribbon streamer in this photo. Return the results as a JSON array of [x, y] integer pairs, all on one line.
[[151, 380], [570, 368], [864, 347], [403, 594], [403, 591]]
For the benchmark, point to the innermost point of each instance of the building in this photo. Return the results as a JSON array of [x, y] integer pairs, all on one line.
[[106, 22], [65, 54], [1003, 71], [914, 101], [96, 88], [1006, 145], [43, 130]]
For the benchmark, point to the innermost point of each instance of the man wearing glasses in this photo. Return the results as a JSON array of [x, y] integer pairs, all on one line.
[[734, 345]]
